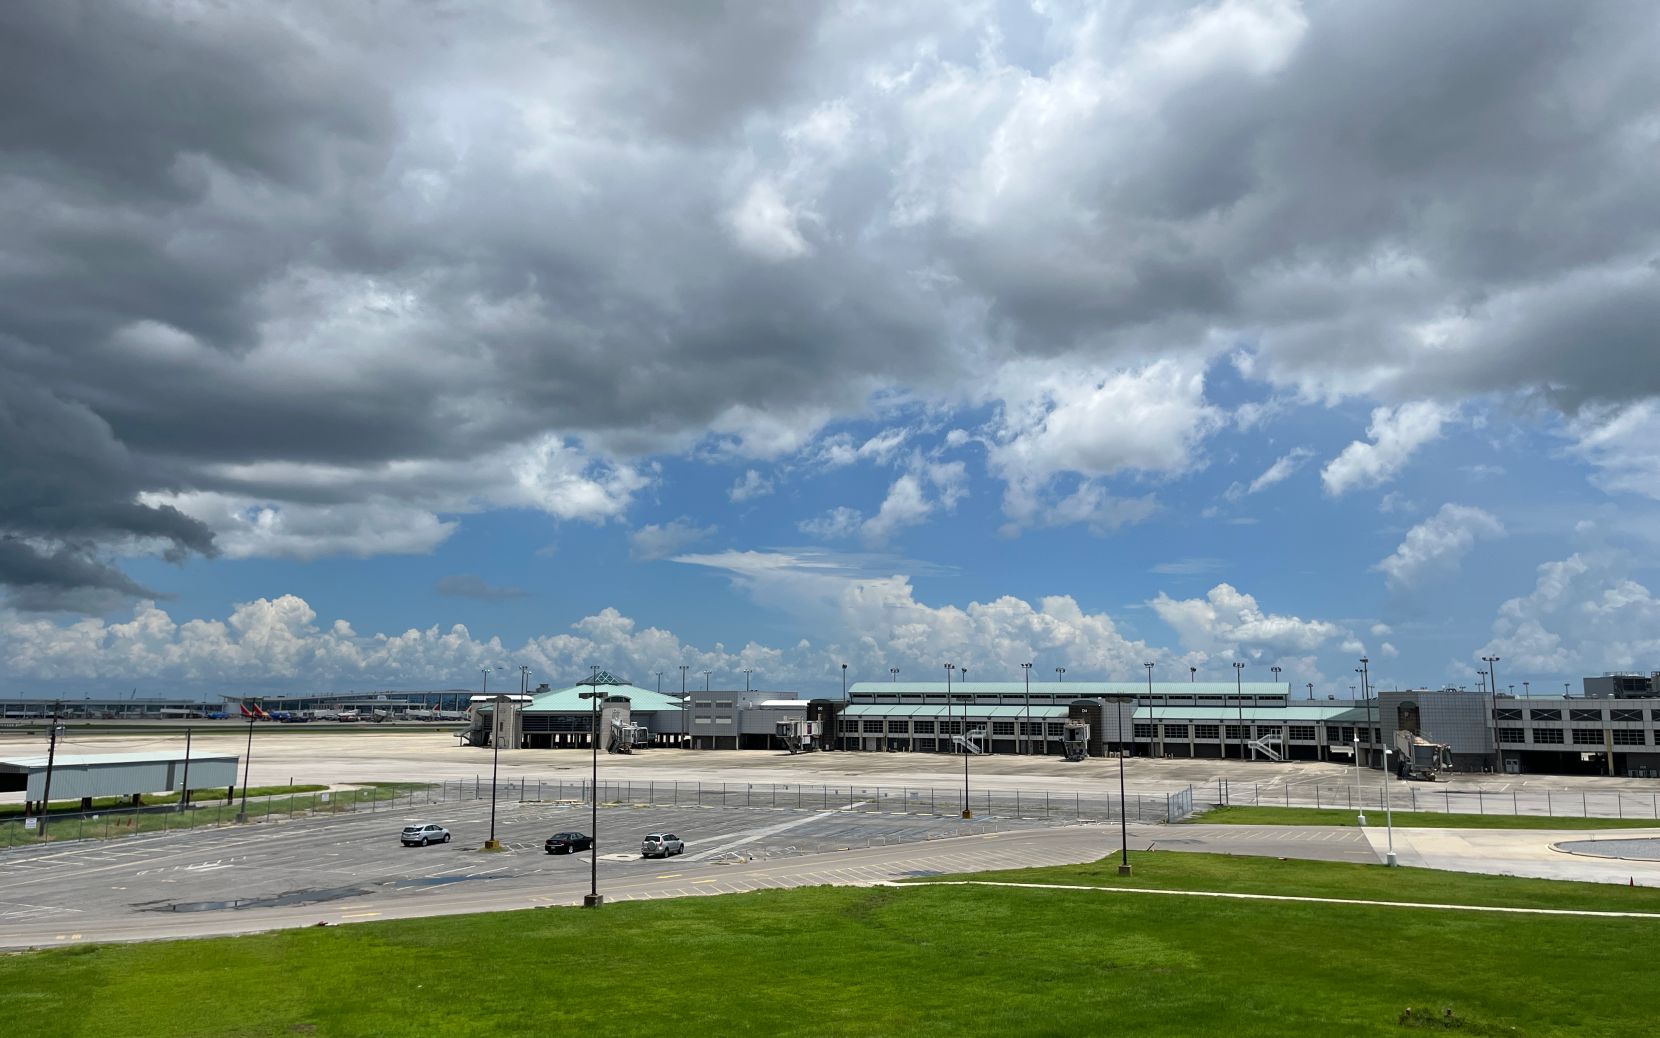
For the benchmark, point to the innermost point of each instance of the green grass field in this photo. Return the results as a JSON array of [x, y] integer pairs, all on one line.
[[1408, 819], [916, 961]]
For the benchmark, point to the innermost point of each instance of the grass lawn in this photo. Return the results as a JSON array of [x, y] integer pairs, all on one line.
[[197, 796], [1183, 870], [208, 808], [916, 961], [1408, 819]]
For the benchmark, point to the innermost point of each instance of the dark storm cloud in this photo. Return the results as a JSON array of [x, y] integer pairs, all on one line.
[[246, 242]]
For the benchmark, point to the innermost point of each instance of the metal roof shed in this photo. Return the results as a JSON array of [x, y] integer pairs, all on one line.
[[78, 775]]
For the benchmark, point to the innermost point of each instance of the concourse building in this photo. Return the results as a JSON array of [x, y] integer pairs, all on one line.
[[1249, 720]]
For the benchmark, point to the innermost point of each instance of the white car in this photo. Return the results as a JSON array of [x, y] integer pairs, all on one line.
[[661, 845], [421, 835]]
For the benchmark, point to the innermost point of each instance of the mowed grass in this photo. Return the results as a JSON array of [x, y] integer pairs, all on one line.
[[1408, 819], [913, 961], [1183, 870]]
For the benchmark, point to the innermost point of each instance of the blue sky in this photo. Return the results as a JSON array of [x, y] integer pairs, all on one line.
[[1082, 335]]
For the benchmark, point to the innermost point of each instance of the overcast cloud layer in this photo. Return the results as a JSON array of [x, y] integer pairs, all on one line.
[[317, 281]]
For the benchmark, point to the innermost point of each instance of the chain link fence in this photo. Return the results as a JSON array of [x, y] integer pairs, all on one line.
[[1412, 796]]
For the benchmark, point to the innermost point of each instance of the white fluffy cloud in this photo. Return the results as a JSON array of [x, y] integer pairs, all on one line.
[[1584, 615], [659, 541], [1622, 444], [749, 486], [1056, 420], [1396, 434], [1438, 544], [398, 507], [1229, 623]]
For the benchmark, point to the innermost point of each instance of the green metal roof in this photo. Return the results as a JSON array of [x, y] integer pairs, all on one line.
[[1074, 689], [941, 710], [570, 701], [1344, 714]]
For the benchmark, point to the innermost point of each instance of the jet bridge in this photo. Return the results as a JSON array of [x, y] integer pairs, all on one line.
[[1075, 740], [799, 735]]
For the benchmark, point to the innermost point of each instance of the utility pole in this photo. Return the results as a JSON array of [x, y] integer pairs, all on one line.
[[184, 791], [51, 758], [1026, 733]]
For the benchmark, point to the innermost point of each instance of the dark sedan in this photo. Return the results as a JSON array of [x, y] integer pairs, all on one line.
[[565, 843]]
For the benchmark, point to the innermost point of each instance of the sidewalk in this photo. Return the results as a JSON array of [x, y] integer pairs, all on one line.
[[1516, 852]]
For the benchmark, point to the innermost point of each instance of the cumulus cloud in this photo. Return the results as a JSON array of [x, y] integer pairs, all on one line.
[[1229, 623], [1395, 434], [1584, 615], [1622, 443], [1438, 544], [659, 541], [1055, 421], [441, 239], [749, 486], [838, 523]]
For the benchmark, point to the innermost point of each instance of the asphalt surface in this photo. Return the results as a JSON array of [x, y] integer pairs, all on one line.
[[352, 868]]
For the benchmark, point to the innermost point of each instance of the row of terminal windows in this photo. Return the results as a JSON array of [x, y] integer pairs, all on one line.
[[1574, 714], [1581, 736]]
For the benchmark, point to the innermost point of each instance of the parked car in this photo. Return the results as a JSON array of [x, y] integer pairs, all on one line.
[[421, 835], [565, 843], [661, 845]]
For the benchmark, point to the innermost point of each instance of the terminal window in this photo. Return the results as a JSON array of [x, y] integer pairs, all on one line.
[[1175, 731], [1511, 735], [1587, 736], [899, 726], [1630, 737], [1236, 731], [1057, 729], [1002, 728], [1544, 735], [923, 727], [1207, 731], [873, 725], [1304, 732], [1143, 731]]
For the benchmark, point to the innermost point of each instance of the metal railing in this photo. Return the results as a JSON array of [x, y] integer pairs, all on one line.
[[1412, 796]]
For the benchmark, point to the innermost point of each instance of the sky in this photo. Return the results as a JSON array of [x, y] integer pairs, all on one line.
[[361, 346]]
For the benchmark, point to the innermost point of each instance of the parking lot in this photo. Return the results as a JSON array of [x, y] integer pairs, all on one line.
[[227, 880]]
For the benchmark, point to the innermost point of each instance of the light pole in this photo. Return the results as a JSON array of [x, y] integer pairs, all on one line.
[[706, 680], [1311, 690], [683, 733], [966, 700], [1527, 690], [1239, 701], [1123, 823], [949, 700], [1388, 812], [184, 791], [1149, 665], [895, 672], [592, 898], [493, 844], [247, 765], [747, 673], [1371, 726], [1026, 728], [1060, 673], [1192, 674], [1493, 704], [659, 682], [844, 682], [51, 758], [1362, 819]]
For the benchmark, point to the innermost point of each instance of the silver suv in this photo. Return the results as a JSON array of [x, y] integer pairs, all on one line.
[[421, 835], [661, 845]]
